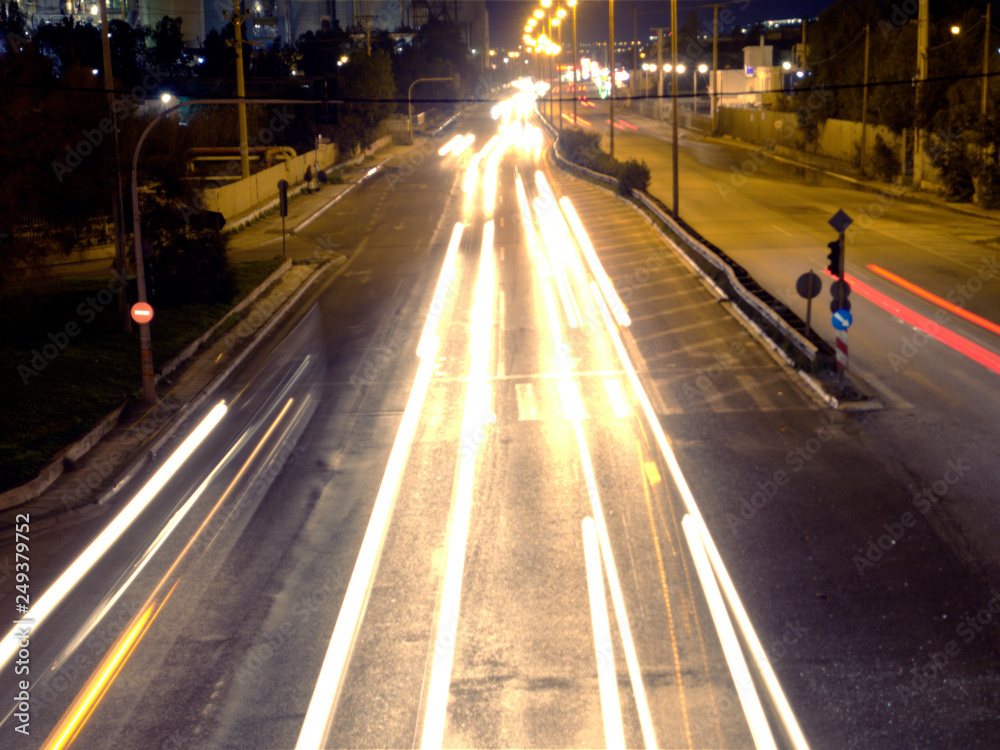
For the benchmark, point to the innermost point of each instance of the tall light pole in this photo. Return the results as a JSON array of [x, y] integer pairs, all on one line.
[[576, 62], [673, 94], [237, 19], [611, 72], [145, 340], [560, 15], [923, 31], [702, 68], [117, 205]]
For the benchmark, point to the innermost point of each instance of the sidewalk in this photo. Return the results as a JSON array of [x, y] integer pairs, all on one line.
[[139, 431]]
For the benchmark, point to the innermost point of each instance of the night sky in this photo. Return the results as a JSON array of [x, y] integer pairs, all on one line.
[[507, 17]]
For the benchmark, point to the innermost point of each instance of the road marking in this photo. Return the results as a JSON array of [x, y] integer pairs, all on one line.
[[753, 389], [611, 711], [527, 410], [617, 396], [569, 394], [650, 470]]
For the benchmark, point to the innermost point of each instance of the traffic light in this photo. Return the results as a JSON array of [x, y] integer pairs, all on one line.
[[836, 258]]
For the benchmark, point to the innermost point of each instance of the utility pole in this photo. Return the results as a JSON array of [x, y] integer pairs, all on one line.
[[923, 23], [864, 104], [117, 207], [673, 98], [804, 53], [635, 47], [576, 63], [715, 65], [368, 31], [659, 72], [611, 70], [237, 19], [986, 63]]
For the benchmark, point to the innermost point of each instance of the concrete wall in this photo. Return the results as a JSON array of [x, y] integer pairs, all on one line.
[[237, 198], [838, 139]]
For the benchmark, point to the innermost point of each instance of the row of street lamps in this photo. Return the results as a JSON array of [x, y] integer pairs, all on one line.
[[540, 41], [541, 22]]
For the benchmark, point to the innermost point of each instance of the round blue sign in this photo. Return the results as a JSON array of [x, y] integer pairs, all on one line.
[[842, 320]]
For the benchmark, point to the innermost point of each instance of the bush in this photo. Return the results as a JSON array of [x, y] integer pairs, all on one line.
[[633, 175], [193, 267], [956, 171], [583, 148], [989, 186], [885, 163]]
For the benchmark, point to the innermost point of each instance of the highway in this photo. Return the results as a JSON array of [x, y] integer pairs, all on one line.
[[463, 497], [925, 301]]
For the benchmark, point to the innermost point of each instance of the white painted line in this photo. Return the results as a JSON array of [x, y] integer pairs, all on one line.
[[569, 394], [527, 409], [611, 710], [752, 708]]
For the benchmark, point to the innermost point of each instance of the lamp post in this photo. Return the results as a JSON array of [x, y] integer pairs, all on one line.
[[703, 68], [673, 96], [576, 63], [560, 15], [611, 70], [409, 102], [145, 340]]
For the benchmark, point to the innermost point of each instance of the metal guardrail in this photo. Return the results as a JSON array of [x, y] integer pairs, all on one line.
[[802, 351]]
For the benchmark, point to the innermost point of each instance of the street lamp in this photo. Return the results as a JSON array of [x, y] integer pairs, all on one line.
[[703, 68], [576, 64], [409, 102]]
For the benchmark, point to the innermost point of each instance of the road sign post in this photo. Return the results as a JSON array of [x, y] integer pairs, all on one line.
[[283, 210], [841, 355], [808, 285]]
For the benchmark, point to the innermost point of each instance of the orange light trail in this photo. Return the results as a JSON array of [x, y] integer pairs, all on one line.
[[78, 714], [569, 118], [951, 307], [932, 328]]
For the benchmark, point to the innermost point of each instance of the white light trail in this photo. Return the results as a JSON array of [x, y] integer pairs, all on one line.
[[727, 637], [477, 413], [742, 619], [428, 338], [89, 557], [352, 610], [596, 268], [614, 733]]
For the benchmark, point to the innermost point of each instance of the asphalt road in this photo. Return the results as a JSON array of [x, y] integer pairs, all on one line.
[[496, 612], [934, 362]]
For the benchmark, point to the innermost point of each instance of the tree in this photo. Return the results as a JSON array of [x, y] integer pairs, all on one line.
[[128, 51], [168, 44], [367, 88]]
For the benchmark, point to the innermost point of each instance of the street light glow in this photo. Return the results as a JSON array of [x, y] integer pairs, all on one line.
[[703, 68]]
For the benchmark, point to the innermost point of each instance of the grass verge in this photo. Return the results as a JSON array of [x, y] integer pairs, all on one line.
[[66, 363]]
